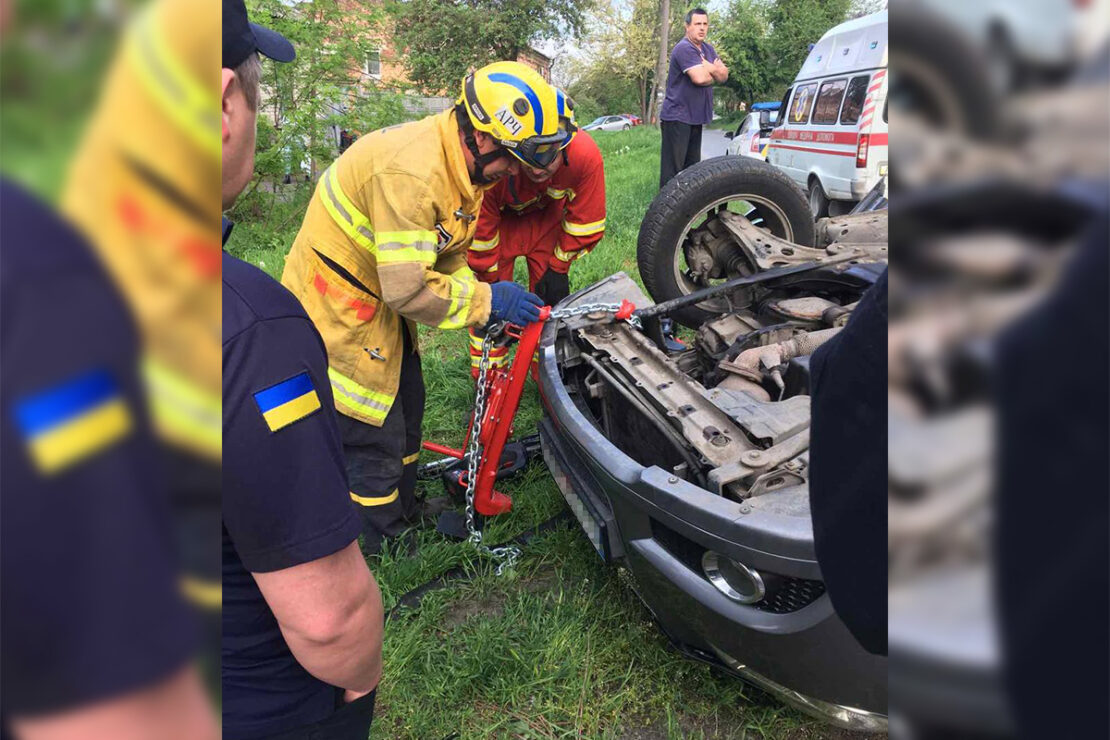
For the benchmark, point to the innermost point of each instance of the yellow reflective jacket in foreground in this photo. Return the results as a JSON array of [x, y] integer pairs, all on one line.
[[398, 212], [144, 188]]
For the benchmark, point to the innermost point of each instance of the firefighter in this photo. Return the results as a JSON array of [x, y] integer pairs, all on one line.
[[549, 215], [384, 246]]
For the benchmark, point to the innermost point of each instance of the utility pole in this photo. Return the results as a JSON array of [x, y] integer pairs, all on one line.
[[659, 84]]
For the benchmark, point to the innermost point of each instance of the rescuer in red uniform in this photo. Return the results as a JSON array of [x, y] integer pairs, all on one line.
[[550, 216]]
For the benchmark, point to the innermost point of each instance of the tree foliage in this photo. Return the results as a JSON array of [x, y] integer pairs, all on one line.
[[622, 53], [795, 24], [741, 38], [618, 66], [763, 42], [326, 90], [444, 39]]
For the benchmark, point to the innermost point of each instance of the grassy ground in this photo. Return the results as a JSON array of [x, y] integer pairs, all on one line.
[[560, 647]]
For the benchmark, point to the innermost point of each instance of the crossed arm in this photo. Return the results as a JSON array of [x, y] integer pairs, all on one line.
[[708, 73]]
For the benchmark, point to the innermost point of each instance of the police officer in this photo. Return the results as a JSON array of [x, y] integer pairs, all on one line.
[[384, 246], [97, 640], [302, 617]]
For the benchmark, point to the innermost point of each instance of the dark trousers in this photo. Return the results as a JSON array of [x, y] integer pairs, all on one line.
[[381, 461], [348, 722], [681, 149]]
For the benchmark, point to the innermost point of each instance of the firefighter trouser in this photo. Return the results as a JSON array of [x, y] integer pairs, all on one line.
[[381, 461], [533, 236]]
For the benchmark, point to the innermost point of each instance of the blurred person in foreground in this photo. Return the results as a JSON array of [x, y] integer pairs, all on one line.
[[302, 620], [695, 67], [142, 189], [551, 216], [384, 246], [848, 474], [96, 640]]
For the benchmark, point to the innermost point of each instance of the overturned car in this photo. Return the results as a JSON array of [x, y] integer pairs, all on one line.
[[687, 461]]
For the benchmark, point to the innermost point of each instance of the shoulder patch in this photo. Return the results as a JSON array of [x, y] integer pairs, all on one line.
[[73, 420], [287, 402]]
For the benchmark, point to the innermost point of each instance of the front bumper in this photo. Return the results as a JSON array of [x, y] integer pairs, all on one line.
[[794, 647]]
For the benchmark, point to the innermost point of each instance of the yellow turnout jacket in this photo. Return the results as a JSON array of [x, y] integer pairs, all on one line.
[[397, 211]]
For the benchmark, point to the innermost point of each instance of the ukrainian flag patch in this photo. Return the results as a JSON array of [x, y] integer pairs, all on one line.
[[288, 401], [69, 422]]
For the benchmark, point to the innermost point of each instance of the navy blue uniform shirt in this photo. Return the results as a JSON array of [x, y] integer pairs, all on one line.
[[90, 603], [286, 500]]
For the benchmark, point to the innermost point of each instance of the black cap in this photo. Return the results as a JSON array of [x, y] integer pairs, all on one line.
[[242, 38]]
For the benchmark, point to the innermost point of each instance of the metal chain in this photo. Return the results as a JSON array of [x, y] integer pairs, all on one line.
[[588, 308], [505, 556]]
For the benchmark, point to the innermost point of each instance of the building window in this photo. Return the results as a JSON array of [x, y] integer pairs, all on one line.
[[374, 64]]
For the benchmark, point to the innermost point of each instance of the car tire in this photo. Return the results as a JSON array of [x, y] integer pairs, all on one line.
[[818, 201], [626, 126], [688, 196]]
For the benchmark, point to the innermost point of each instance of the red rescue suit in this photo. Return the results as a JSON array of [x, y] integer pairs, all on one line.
[[550, 224]]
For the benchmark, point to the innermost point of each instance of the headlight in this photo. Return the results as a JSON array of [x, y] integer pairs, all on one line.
[[735, 580]]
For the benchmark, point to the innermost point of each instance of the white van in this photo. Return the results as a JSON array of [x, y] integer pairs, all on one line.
[[832, 133]]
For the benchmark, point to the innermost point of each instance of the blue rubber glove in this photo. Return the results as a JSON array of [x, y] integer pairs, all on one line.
[[511, 302]]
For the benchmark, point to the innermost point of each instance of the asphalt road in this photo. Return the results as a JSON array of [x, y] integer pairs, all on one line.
[[713, 142]]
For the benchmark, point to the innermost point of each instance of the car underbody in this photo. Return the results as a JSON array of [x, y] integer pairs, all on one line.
[[688, 461]]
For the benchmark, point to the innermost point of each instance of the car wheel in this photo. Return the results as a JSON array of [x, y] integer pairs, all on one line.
[[739, 184], [626, 126], [818, 201]]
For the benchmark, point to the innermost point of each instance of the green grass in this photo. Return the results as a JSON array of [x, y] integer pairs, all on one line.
[[559, 647]]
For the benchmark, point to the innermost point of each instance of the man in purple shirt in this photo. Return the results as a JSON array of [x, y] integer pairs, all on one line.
[[695, 68]]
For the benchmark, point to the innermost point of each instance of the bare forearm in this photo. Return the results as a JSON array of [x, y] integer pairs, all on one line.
[[351, 656]]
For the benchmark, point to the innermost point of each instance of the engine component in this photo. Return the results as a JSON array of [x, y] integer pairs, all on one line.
[[753, 363], [767, 251]]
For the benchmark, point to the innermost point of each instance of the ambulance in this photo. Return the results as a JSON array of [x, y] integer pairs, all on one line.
[[832, 133]]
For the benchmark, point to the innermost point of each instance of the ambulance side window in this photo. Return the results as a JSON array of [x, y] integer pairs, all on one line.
[[803, 101], [785, 102], [853, 100], [828, 102]]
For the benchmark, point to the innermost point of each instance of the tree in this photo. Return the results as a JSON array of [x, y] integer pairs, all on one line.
[[741, 38], [445, 39], [326, 90], [620, 61], [795, 24], [662, 65], [861, 8]]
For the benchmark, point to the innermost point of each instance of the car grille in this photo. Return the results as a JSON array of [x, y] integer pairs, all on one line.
[[788, 594], [791, 595]]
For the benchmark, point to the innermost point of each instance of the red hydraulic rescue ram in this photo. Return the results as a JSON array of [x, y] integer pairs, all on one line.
[[504, 389]]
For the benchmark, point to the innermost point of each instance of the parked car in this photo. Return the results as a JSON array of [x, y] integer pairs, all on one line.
[[648, 444], [636, 120], [832, 135], [608, 123], [754, 133]]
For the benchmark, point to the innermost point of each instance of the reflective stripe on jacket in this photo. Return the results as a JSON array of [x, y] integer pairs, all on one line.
[[578, 188], [397, 212], [147, 197]]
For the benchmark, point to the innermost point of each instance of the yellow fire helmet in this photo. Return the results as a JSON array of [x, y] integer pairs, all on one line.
[[511, 102]]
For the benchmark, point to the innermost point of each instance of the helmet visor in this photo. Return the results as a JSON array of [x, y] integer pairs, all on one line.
[[541, 151]]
